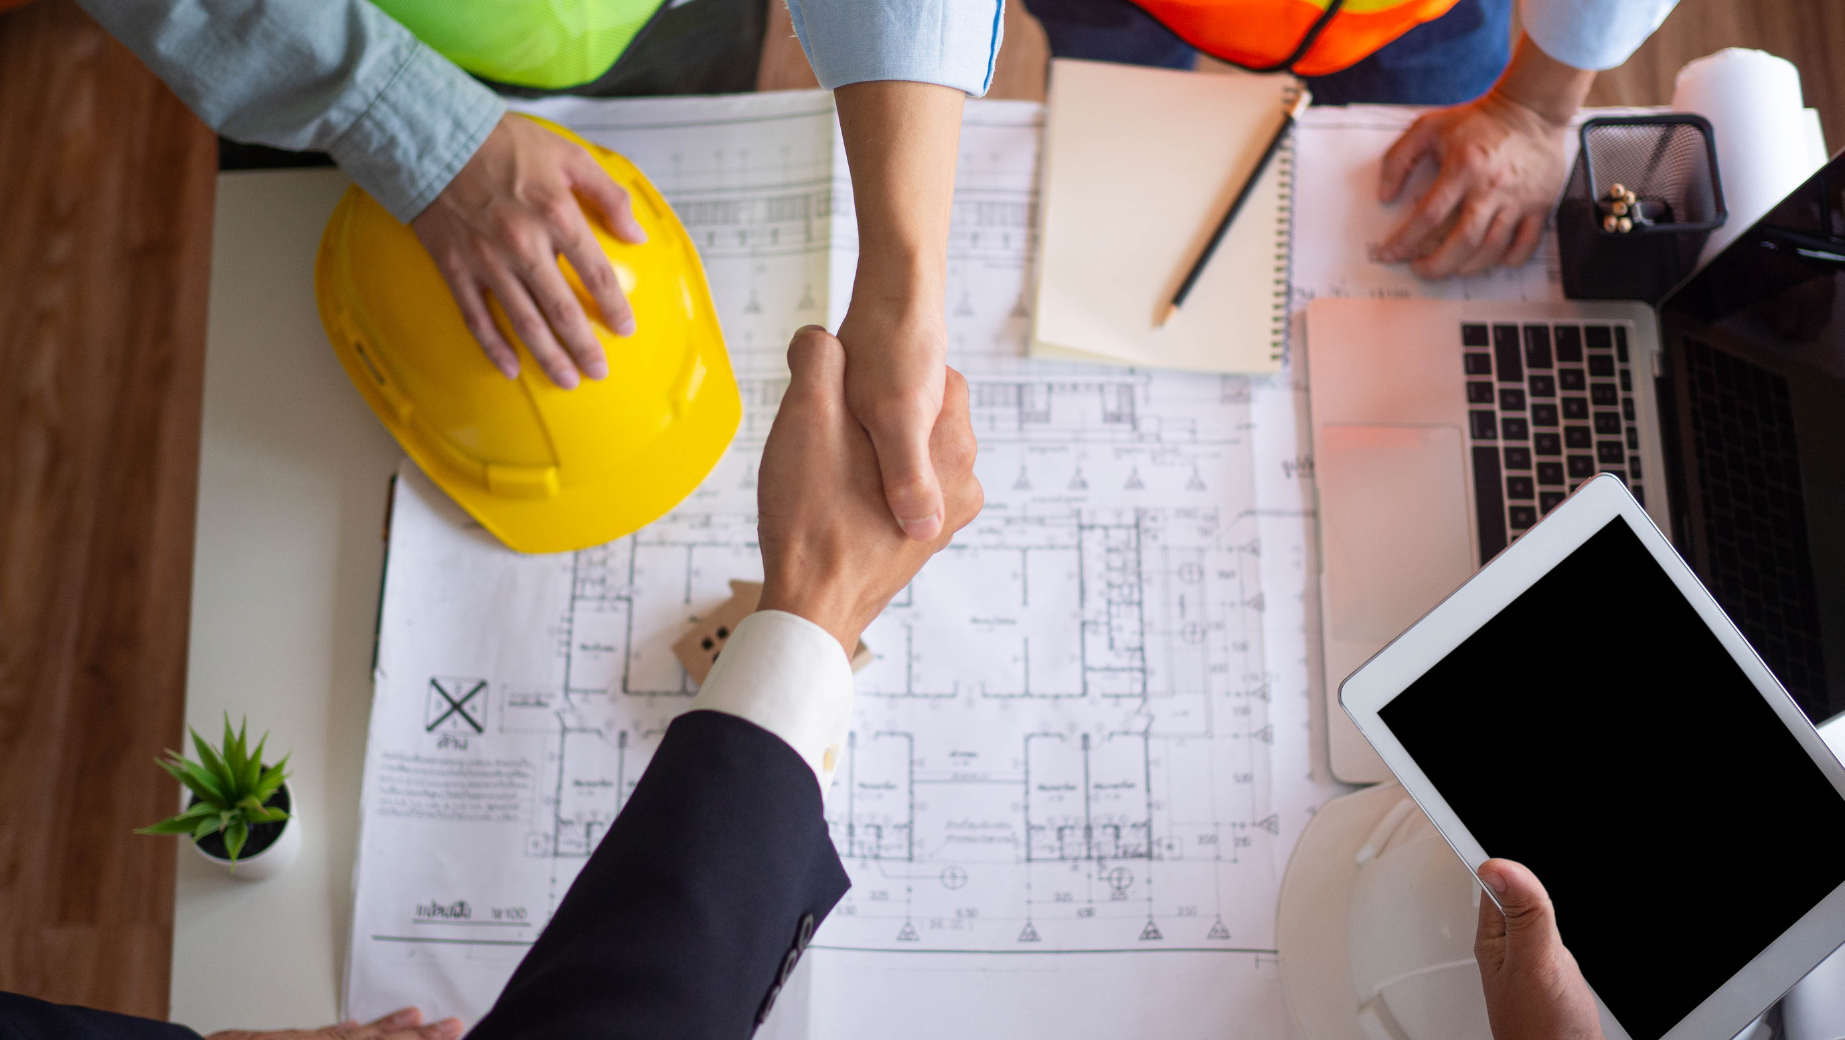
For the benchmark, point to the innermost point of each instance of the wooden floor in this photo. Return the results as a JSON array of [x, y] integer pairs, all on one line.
[[105, 200], [105, 206]]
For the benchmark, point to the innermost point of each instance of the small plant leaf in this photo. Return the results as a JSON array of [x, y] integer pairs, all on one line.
[[231, 749], [253, 769], [208, 826], [271, 779], [226, 783], [175, 825], [234, 837], [200, 782], [274, 816]]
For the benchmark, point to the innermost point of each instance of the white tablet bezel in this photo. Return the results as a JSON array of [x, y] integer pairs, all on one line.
[[1798, 949]]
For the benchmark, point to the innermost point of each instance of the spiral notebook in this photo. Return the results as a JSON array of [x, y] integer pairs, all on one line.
[[1139, 165]]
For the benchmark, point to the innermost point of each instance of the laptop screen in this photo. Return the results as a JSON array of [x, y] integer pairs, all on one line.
[[1752, 395]]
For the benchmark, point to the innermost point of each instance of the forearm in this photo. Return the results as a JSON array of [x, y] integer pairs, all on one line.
[[901, 139], [1540, 83], [332, 75], [682, 921]]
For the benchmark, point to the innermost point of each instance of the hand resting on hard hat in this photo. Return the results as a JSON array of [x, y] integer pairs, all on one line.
[[497, 231], [1501, 162], [1534, 990], [831, 551]]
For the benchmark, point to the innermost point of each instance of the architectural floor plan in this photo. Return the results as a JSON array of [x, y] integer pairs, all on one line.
[[1081, 754]]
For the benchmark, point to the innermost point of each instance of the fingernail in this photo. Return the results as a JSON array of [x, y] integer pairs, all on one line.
[[566, 380], [597, 370], [625, 327], [400, 1017], [924, 528], [449, 1027], [1495, 880]]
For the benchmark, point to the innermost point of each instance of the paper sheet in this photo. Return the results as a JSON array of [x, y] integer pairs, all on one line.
[[1767, 140], [1140, 165], [1083, 754], [1339, 224]]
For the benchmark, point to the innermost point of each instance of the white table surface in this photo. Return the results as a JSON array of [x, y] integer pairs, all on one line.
[[293, 475]]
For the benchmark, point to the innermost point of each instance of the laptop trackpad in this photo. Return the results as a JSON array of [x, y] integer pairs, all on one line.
[[1393, 516]]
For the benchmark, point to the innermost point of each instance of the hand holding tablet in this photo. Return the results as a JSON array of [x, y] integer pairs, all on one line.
[[1584, 707], [1534, 989]]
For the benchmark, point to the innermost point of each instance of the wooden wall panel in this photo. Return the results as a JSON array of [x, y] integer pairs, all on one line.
[[1809, 33], [106, 188]]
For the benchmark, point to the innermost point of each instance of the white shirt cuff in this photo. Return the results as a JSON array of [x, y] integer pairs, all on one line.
[[789, 676], [1592, 34]]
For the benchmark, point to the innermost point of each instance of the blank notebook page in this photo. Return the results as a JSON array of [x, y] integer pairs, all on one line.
[[1140, 164]]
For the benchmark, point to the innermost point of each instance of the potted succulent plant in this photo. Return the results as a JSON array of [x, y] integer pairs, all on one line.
[[239, 812]]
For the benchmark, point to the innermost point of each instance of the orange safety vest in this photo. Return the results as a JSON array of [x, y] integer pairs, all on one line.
[[1310, 37]]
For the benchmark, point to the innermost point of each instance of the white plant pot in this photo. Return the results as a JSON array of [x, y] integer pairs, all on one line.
[[271, 860]]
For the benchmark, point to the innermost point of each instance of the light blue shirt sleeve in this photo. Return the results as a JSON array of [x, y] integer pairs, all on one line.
[[950, 42], [1592, 34], [338, 76]]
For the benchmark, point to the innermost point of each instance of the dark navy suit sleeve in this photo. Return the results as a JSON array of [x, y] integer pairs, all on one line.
[[22, 1018], [688, 918]]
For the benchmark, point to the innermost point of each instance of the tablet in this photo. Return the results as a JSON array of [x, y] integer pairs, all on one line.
[[1583, 706]]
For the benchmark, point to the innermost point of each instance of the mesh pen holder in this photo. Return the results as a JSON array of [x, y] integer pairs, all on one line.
[[1670, 163]]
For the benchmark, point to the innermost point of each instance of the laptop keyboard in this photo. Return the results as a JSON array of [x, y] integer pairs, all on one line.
[[1757, 561], [1548, 407]]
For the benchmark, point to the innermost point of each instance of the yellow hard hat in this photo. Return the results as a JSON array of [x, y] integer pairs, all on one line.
[[544, 469]]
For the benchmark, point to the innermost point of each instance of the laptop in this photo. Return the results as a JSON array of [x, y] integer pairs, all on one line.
[[1442, 430]]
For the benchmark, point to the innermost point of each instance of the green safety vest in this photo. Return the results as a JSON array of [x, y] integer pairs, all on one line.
[[547, 44]]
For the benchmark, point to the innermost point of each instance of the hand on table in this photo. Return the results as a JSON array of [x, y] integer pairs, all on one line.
[[1502, 167], [1534, 990], [831, 551], [403, 1024], [499, 228], [1501, 161]]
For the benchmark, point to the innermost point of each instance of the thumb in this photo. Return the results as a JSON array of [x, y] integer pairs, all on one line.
[[910, 484], [1527, 932]]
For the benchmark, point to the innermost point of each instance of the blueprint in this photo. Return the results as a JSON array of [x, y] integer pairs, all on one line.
[[1082, 753]]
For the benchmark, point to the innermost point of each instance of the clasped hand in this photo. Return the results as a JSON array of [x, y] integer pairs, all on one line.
[[831, 550]]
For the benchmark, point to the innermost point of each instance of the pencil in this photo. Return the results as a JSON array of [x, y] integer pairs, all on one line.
[[1204, 258]]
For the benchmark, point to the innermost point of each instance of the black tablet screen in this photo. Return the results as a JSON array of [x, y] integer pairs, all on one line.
[[1596, 731]]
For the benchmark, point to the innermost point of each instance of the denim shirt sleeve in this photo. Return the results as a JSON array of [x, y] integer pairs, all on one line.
[[1592, 34], [950, 42], [338, 76]]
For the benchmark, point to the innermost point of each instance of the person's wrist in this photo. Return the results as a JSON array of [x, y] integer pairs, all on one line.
[[1543, 87], [899, 283], [831, 611], [1531, 114]]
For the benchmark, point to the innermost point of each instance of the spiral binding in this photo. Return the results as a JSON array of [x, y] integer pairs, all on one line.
[[1284, 249]]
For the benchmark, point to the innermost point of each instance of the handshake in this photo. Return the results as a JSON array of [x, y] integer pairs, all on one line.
[[832, 552]]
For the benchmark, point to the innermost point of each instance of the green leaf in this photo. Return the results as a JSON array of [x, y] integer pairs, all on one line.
[[180, 824], [215, 765], [172, 825], [234, 837], [197, 780], [274, 816], [232, 750], [271, 779], [210, 825], [252, 806], [253, 769]]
